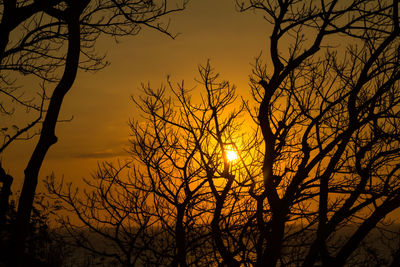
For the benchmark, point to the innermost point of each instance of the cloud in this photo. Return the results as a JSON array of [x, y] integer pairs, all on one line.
[[100, 154]]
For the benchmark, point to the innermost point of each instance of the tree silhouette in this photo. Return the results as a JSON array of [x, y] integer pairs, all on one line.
[[329, 123], [56, 38], [317, 180], [165, 206]]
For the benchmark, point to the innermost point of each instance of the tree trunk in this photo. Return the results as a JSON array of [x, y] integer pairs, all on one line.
[[4, 196], [47, 136], [180, 238]]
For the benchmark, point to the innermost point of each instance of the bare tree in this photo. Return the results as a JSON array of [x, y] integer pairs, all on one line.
[[320, 186], [329, 123], [56, 38], [168, 208]]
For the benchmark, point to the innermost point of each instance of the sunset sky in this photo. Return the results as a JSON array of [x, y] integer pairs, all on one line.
[[100, 103], [267, 137]]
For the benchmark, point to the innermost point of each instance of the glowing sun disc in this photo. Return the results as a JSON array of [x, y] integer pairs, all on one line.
[[231, 156]]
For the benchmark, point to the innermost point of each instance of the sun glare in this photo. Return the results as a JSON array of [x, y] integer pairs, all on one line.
[[231, 155]]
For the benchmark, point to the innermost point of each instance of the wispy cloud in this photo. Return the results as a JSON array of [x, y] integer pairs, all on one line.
[[100, 154]]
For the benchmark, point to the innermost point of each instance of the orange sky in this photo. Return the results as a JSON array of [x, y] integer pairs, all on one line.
[[100, 103]]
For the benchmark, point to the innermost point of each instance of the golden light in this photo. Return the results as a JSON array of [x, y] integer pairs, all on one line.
[[231, 155]]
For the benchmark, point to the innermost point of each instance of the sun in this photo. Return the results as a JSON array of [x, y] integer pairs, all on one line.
[[231, 155]]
